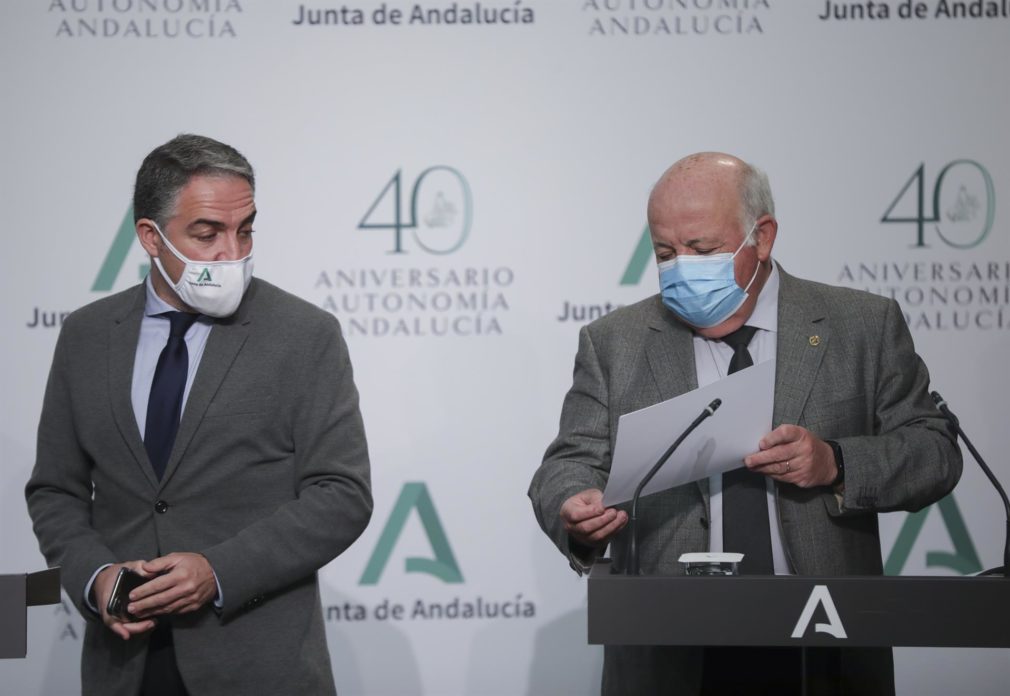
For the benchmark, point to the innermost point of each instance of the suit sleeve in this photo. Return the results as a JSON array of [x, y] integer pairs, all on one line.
[[333, 503], [579, 458], [59, 491], [912, 459]]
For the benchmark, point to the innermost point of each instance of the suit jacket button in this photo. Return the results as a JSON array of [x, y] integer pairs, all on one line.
[[161, 507]]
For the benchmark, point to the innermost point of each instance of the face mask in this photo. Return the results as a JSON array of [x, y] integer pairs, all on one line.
[[702, 290], [214, 288]]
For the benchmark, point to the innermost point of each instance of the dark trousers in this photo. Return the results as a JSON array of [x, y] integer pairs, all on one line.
[[161, 674]]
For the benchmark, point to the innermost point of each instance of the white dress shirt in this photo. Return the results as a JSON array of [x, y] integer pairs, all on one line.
[[711, 359]]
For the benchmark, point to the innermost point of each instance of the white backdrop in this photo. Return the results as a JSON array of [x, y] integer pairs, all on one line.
[[546, 133]]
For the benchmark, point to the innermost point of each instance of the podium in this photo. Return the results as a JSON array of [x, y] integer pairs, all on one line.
[[17, 593], [850, 611]]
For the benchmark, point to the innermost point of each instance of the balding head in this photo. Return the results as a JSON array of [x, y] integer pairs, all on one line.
[[710, 177], [706, 204]]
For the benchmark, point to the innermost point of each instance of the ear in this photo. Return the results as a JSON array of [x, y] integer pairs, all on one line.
[[148, 236], [764, 235]]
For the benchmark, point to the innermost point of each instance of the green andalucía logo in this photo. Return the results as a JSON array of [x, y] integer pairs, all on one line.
[[443, 566], [639, 261], [116, 256], [964, 560], [205, 276]]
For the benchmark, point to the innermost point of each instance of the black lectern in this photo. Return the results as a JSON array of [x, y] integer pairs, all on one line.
[[798, 611], [17, 593]]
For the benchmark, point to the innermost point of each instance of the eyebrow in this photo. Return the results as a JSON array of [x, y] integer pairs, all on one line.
[[218, 225]]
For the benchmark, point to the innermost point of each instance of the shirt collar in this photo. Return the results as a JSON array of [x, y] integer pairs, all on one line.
[[154, 305]]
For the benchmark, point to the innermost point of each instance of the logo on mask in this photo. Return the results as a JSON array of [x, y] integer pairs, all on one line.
[[205, 277]]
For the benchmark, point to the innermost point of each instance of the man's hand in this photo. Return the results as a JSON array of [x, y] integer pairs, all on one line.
[[794, 455], [588, 521], [185, 583], [102, 589]]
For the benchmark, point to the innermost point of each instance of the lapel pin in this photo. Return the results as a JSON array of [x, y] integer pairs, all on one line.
[[815, 340]]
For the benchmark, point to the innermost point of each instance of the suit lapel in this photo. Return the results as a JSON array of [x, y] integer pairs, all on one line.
[[123, 337], [224, 343], [804, 335], [670, 350]]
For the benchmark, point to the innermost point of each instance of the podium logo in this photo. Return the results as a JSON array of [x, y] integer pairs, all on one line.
[[820, 596], [439, 216], [443, 566]]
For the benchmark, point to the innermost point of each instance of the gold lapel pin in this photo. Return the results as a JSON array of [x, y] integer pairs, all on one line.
[[815, 340]]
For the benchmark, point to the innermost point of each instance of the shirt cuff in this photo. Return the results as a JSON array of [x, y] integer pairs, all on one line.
[[219, 600], [87, 589]]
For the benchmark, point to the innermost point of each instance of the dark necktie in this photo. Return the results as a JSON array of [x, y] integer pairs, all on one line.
[[164, 406], [744, 502]]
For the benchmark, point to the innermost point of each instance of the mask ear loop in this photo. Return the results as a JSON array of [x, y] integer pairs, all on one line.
[[742, 244]]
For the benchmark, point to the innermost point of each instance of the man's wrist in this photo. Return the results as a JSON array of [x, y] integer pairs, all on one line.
[[836, 450]]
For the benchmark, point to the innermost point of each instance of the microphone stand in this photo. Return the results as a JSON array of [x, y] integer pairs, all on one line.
[[942, 406], [633, 565]]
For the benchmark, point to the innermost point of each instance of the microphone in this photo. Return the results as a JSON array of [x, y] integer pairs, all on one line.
[[945, 410], [633, 565]]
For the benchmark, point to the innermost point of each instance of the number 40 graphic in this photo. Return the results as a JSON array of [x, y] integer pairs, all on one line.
[[438, 224], [961, 210]]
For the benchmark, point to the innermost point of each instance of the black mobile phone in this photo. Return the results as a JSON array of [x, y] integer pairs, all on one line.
[[126, 582]]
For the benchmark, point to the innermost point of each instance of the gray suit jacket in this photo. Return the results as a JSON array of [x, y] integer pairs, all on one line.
[[268, 478], [860, 383]]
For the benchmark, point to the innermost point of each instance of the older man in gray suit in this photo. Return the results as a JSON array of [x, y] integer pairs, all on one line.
[[854, 431], [201, 429]]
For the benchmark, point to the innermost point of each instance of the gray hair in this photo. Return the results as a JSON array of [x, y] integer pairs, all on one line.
[[755, 198], [169, 168]]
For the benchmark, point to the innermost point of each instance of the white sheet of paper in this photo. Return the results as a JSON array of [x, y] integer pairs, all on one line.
[[719, 444]]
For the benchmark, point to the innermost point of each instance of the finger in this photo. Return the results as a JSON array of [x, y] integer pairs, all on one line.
[[609, 530], [587, 527], [781, 435], [138, 568], [160, 565], [153, 587], [776, 454], [576, 510], [576, 514], [135, 628], [183, 606], [157, 604]]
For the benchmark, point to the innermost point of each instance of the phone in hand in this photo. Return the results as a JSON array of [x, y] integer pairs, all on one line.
[[126, 582]]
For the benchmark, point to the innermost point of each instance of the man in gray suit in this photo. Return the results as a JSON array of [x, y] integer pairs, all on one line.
[[854, 431], [203, 430]]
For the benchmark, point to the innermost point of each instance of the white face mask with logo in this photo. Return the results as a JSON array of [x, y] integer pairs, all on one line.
[[214, 288]]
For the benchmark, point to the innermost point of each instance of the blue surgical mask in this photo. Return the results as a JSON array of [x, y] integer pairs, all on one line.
[[702, 290]]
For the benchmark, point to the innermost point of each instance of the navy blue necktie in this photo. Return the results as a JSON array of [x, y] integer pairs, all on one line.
[[164, 407], [744, 503]]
